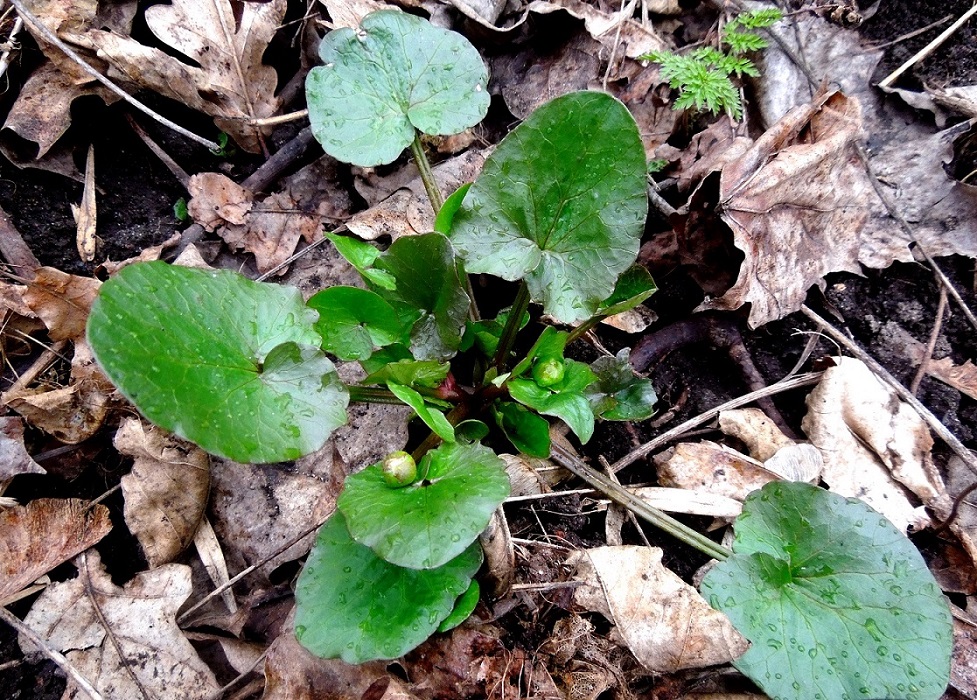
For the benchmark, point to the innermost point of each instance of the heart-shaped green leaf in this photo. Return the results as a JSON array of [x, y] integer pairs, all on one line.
[[354, 322], [230, 364], [561, 203], [433, 520], [394, 74], [527, 431], [429, 293], [618, 393], [351, 604], [837, 603], [463, 608]]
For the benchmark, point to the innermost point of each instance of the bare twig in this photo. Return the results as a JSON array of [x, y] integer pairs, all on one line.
[[280, 119], [179, 173], [53, 654], [647, 448], [934, 423], [929, 48], [915, 32], [931, 345], [50, 36], [5, 58]]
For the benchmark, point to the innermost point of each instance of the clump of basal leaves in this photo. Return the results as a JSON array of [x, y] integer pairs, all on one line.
[[836, 602]]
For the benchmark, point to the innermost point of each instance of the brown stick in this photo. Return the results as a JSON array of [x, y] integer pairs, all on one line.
[[13, 248]]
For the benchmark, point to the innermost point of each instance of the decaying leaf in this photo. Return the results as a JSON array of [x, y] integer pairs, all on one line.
[[141, 617], [166, 490], [875, 447], [86, 213], [633, 39], [62, 301], [349, 13], [216, 200], [711, 468], [14, 458], [665, 623], [752, 426], [693, 502], [43, 534]]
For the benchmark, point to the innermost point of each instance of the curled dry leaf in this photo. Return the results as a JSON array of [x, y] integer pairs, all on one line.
[[633, 39], [141, 618], [349, 13], [166, 490], [216, 200], [874, 446], [665, 623], [711, 468], [14, 458], [44, 534], [752, 426], [62, 301]]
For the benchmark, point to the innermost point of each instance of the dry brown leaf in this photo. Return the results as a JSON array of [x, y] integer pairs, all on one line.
[[407, 211], [62, 301], [524, 480], [44, 534], [711, 468], [349, 13], [874, 446], [165, 491], [272, 230], [86, 213], [752, 426], [633, 40], [228, 82], [14, 458], [963, 668], [216, 200], [142, 619], [665, 623], [693, 502]]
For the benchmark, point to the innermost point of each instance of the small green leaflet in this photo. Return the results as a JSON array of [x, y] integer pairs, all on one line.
[[230, 364], [463, 484], [354, 322], [565, 400], [836, 602], [619, 394], [395, 75], [433, 418], [353, 605], [559, 207]]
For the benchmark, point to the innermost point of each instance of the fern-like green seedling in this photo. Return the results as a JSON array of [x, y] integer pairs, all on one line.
[[702, 77]]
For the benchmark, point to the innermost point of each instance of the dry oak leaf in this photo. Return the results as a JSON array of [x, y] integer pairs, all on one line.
[[14, 458], [166, 490], [141, 617], [665, 623], [229, 82], [216, 200], [44, 534], [61, 301], [874, 446], [272, 230]]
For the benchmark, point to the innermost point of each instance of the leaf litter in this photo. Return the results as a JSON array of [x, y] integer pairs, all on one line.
[[800, 175]]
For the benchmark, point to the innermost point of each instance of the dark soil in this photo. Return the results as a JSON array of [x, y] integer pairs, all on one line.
[[136, 199]]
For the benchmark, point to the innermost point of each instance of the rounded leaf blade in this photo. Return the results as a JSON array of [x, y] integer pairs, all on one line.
[[222, 361], [395, 74], [428, 523], [834, 599], [561, 203], [353, 605]]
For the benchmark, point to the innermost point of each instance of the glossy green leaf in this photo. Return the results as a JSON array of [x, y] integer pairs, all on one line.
[[432, 418], [550, 343], [463, 608], [485, 335], [565, 400], [618, 393], [361, 255], [394, 74], [528, 432], [446, 215], [471, 430], [561, 203], [429, 291], [632, 288], [353, 605], [230, 364], [433, 520], [354, 322], [836, 602], [423, 373]]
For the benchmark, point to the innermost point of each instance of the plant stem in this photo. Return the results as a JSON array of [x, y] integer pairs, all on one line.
[[644, 511], [369, 394], [427, 175], [577, 332], [508, 339]]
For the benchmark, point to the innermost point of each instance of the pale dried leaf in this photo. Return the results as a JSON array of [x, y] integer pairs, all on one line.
[[692, 502], [242, 656], [407, 211], [14, 458], [633, 321], [665, 623], [212, 557], [142, 619], [752, 426], [500, 557], [86, 213], [44, 534], [634, 39], [165, 491], [62, 301], [349, 13], [216, 200], [800, 462], [874, 446], [148, 254], [711, 468], [524, 480]]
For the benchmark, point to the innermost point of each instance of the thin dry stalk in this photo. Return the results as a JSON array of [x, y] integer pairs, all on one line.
[[929, 48], [55, 656], [931, 345]]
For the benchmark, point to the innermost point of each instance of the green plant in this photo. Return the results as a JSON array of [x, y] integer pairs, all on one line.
[[241, 368], [702, 76]]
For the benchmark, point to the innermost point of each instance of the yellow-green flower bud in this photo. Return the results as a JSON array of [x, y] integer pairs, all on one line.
[[399, 469], [548, 371]]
